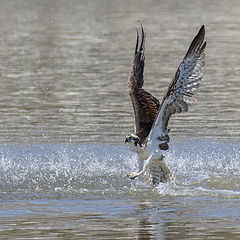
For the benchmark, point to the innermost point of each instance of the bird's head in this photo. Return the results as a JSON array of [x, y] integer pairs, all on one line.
[[132, 139]]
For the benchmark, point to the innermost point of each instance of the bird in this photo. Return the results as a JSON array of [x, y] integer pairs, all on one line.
[[151, 134]]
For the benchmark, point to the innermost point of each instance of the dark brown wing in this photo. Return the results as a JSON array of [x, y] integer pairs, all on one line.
[[144, 104], [182, 89]]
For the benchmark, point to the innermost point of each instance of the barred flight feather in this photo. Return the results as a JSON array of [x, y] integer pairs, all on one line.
[[182, 89], [151, 117]]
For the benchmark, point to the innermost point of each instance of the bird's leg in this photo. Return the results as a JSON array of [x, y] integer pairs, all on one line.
[[133, 175]]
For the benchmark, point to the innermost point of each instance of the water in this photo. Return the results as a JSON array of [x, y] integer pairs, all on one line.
[[65, 111], [67, 191]]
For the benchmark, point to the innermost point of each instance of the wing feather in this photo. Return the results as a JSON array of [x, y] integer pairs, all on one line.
[[145, 105], [135, 79], [182, 89]]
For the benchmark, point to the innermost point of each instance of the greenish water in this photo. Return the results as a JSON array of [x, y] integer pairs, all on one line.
[[65, 111]]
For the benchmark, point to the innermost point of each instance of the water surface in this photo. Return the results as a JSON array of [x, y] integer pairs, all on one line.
[[64, 67], [65, 110], [68, 191]]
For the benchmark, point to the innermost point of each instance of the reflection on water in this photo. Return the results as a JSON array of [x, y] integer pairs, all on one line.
[[145, 220], [63, 77], [64, 67]]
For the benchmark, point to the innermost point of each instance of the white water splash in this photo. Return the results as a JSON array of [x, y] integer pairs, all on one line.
[[201, 167]]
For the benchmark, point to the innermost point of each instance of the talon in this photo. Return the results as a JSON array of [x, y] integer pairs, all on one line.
[[132, 175]]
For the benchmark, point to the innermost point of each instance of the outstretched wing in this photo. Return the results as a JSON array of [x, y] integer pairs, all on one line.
[[182, 88], [144, 104]]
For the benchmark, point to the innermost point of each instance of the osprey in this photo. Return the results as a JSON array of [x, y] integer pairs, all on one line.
[[151, 116]]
